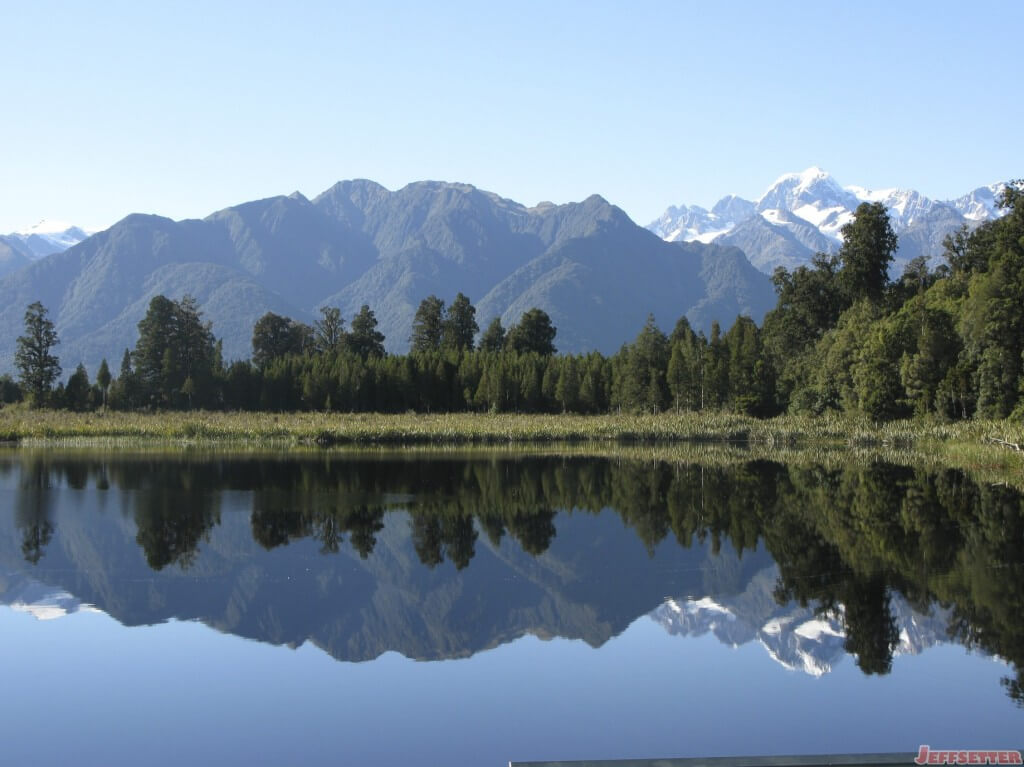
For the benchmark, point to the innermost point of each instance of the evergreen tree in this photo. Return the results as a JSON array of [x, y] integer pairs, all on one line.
[[460, 328], [274, 337], [329, 331], [242, 383], [589, 397], [174, 346], [76, 393], [867, 250], [155, 330], [677, 376], [876, 374], [9, 390], [915, 280], [37, 367], [427, 325], [530, 383], [937, 349], [470, 373], [685, 372], [198, 353], [958, 254], [103, 380], [365, 340], [534, 333], [993, 315], [567, 390], [750, 390], [124, 392], [809, 305], [716, 376], [824, 380], [642, 370], [493, 339]]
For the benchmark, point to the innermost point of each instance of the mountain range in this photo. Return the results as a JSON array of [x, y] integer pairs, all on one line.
[[438, 557], [594, 271], [19, 249], [356, 608], [793, 636], [801, 214]]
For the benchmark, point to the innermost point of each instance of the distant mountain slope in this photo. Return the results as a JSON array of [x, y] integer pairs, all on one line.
[[48, 237], [13, 255], [801, 214], [788, 242], [587, 264]]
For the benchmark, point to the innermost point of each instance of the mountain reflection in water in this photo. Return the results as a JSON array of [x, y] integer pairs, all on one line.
[[439, 557]]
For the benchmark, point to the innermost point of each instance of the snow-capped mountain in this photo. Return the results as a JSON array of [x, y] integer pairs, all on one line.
[[49, 236], [793, 636], [806, 212], [27, 595], [813, 196], [906, 207], [689, 223], [980, 205]]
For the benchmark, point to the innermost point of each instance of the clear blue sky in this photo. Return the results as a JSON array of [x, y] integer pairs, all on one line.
[[183, 108]]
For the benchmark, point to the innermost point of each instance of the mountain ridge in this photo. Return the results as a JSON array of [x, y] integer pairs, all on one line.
[[803, 214], [596, 272], [46, 238]]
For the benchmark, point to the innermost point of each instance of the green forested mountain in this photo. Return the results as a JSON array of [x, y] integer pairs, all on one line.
[[843, 336], [592, 269]]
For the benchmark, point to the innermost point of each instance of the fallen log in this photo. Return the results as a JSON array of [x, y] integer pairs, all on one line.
[[1005, 443]]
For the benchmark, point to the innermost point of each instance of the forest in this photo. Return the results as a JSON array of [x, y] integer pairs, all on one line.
[[944, 341]]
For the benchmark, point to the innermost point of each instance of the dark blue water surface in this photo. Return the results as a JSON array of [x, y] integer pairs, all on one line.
[[471, 609]]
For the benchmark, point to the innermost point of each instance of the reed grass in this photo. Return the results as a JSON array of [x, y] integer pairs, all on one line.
[[707, 438], [21, 425]]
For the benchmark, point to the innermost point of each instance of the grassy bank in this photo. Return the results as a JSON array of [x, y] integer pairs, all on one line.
[[709, 438], [21, 425]]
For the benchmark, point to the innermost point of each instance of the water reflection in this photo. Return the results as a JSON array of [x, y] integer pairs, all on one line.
[[32, 511], [440, 557]]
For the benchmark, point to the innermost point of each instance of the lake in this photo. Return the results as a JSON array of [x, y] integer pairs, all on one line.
[[470, 608]]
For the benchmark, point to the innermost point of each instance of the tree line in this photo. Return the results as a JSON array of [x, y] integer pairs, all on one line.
[[843, 336]]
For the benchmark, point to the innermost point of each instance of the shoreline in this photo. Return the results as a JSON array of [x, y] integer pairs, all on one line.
[[21, 425], [966, 443]]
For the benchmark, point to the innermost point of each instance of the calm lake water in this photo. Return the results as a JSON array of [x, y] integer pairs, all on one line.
[[436, 608]]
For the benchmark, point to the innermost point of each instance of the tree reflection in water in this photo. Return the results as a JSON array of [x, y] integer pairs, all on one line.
[[845, 537]]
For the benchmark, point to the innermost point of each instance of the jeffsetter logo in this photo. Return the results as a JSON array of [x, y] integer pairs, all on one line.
[[926, 755]]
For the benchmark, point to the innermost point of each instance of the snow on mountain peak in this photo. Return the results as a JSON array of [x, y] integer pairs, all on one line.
[[804, 213], [50, 236], [800, 638], [812, 195], [905, 206], [47, 226], [981, 204], [26, 595], [805, 179], [814, 180], [688, 223]]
